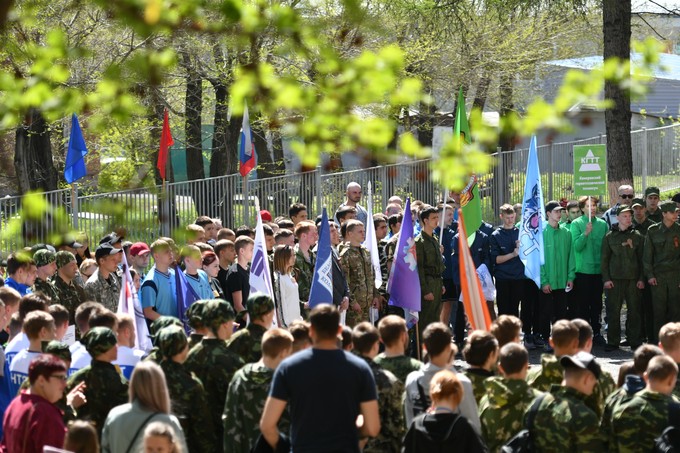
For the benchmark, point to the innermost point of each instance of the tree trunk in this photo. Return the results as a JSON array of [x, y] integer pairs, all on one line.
[[425, 124], [482, 91], [33, 155], [507, 138], [616, 16]]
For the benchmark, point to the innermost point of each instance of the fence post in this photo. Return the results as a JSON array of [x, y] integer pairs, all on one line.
[[74, 205], [319, 191], [550, 171], [500, 181], [644, 158]]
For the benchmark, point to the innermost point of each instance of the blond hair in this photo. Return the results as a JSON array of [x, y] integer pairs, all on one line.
[[148, 386]]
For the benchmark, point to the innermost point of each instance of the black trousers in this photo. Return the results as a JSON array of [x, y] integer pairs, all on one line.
[[553, 307], [531, 308], [589, 289], [508, 295]]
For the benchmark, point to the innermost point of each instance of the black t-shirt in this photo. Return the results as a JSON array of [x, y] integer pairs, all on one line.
[[238, 279], [222, 278], [324, 389]]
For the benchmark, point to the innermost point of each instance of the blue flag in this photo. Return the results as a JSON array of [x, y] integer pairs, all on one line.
[[404, 283], [75, 156], [531, 250], [185, 297], [322, 282]]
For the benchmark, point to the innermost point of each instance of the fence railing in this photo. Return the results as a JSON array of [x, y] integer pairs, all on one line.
[[147, 213]]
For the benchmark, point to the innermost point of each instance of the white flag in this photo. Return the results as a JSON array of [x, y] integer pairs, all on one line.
[[260, 278], [371, 243], [129, 303]]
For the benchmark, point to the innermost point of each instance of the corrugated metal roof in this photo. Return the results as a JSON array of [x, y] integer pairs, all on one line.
[[669, 67]]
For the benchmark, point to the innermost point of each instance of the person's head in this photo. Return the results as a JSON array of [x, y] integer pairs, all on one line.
[[669, 340], [585, 335], [669, 211], [346, 213], [101, 343], [277, 344], [514, 361], [126, 330], [394, 222], [392, 209], [226, 233], [518, 210], [210, 264], [160, 437], [61, 318], [284, 237], [81, 437], [507, 215], [325, 323], [334, 233], [14, 326], [47, 377], [148, 387], [380, 225], [82, 316], [437, 343], [45, 261], [194, 315], [30, 303], [652, 198], [19, 267], [553, 212], [284, 259], [299, 329], [140, 253], [260, 309], [297, 213], [353, 192], [172, 343], [573, 210], [639, 209], [162, 253], [396, 199], [581, 372], [107, 258], [625, 369], [194, 233], [446, 388], [481, 350], [208, 226], [366, 339], [564, 337], [225, 251], [506, 329], [429, 218], [244, 249], [355, 232], [245, 230], [661, 374], [306, 233], [624, 215], [447, 210], [39, 326], [218, 317], [190, 255], [345, 339], [643, 354], [588, 204], [103, 318], [626, 194], [87, 268], [10, 298], [393, 331]]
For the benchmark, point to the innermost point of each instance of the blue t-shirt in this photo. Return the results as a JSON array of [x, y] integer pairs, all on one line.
[[201, 285], [20, 287], [323, 389], [158, 291]]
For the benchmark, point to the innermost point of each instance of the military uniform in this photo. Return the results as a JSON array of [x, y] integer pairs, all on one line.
[[303, 271], [661, 260], [430, 270], [564, 423], [400, 365], [643, 227], [637, 423], [392, 428], [390, 252], [478, 377], [357, 267], [247, 343], [604, 387], [501, 409], [106, 291], [621, 396], [248, 391], [70, 296], [622, 264], [47, 288]]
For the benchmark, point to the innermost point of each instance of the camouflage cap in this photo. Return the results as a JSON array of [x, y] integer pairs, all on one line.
[[217, 312], [163, 321], [44, 257], [63, 258], [171, 340], [99, 340], [59, 349], [259, 304], [668, 206], [195, 314]]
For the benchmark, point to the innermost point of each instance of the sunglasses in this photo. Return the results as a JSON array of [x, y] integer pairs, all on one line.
[[630, 197]]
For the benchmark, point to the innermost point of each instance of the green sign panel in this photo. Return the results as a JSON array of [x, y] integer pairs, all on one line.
[[590, 170]]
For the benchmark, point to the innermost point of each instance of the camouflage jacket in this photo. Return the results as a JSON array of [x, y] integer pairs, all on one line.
[[214, 364], [70, 296], [106, 291], [604, 387], [400, 365], [390, 252], [383, 267], [550, 373], [247, 393], [564, 423], [304, 272], [623, 395], [501, 409], [357, 267], [190, 405], [47, 288], [105, 389], [638, 422], [247, 343], [392, 428], [478, 377]]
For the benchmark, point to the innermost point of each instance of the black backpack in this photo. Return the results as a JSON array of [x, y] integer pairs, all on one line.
[[669, 440], [522, 441], [422, 403]]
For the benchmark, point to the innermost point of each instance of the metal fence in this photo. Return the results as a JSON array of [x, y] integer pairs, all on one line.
[[150, 212]]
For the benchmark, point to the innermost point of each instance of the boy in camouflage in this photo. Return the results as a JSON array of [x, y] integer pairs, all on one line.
[[247, 342], [187, 396], [507, 397], [481, 354], [390, 390], [669, 341], [248, 391], [430, 268], [563, 421], [636, 424], [564, 341], [394, 335]]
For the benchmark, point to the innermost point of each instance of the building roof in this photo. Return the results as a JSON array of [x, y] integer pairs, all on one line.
[[669, 67]]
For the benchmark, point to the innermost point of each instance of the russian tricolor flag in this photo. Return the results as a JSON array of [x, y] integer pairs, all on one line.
[[246, 153]]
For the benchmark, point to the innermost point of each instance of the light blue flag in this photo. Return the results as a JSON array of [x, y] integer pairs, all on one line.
[[322, 282], [75, 156], [531, 250]]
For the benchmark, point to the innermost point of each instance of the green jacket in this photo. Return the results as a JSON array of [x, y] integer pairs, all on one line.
[[400, 365], [636, 424], [551, 372], [559, 267], [478, 377], [587, 249], [662, 250], [642, 227], [622, 255], [430, 265]]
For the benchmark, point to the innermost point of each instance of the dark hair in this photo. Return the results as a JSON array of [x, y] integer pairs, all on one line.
[[661, 367], [394, 219], [513, 358], [221, 245], [59, 313], [643, 355], [300, 331], [427, 212], [364, 337], [378, 219], [564, 332], [31, 302], [81, 437], [480, 345], [506, 328], [203, 221], [103, 318], [224, 232], [585, 332], [267, 230], [209, 258], [282, 234], [9, 296], [325, 320], [436, 337], [295, 209], [45, 365], [83, 313], [573, 204], [286, 223], [244, 230], [16, 261], [391, 327], [344, 211], [346, 335]]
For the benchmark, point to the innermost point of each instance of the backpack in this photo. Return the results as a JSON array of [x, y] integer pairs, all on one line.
[[669, 440], [422, 402], [522, 441]]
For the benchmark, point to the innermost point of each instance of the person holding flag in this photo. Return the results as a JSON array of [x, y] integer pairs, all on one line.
[[430, 268]]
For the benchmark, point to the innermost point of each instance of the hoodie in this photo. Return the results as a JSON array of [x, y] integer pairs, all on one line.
[[442, 431], [631, 386]]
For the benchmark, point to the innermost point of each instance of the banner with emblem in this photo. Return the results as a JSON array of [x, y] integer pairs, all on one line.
[[321, 291]]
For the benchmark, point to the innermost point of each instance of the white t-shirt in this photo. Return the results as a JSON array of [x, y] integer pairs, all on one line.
[[80, 358], [127, 360], [18, 343], [18, 370]]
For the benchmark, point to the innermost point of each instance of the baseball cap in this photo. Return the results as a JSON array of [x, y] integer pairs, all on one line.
[[676, 198], [651, 190], [266, 215], [171, 340], [105, 250], [217, 312], [41, 246], [59, 349], [259, 304], [582, 360], [139, 248], [99, 340], [623, 208], [43, 257], [552, 205], [668, 206], [638, 202], [112, 238], [62, 258], [70, 242]]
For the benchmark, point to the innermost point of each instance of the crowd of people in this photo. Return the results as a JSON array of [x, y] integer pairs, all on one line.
[[241, 371]]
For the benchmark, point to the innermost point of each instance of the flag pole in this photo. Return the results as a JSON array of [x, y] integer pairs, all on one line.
[[589, 210], [441, 218], [246, 201], [74, 204]]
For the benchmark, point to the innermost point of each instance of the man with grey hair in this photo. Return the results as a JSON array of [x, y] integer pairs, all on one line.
[[353, 197], [626, 195]]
